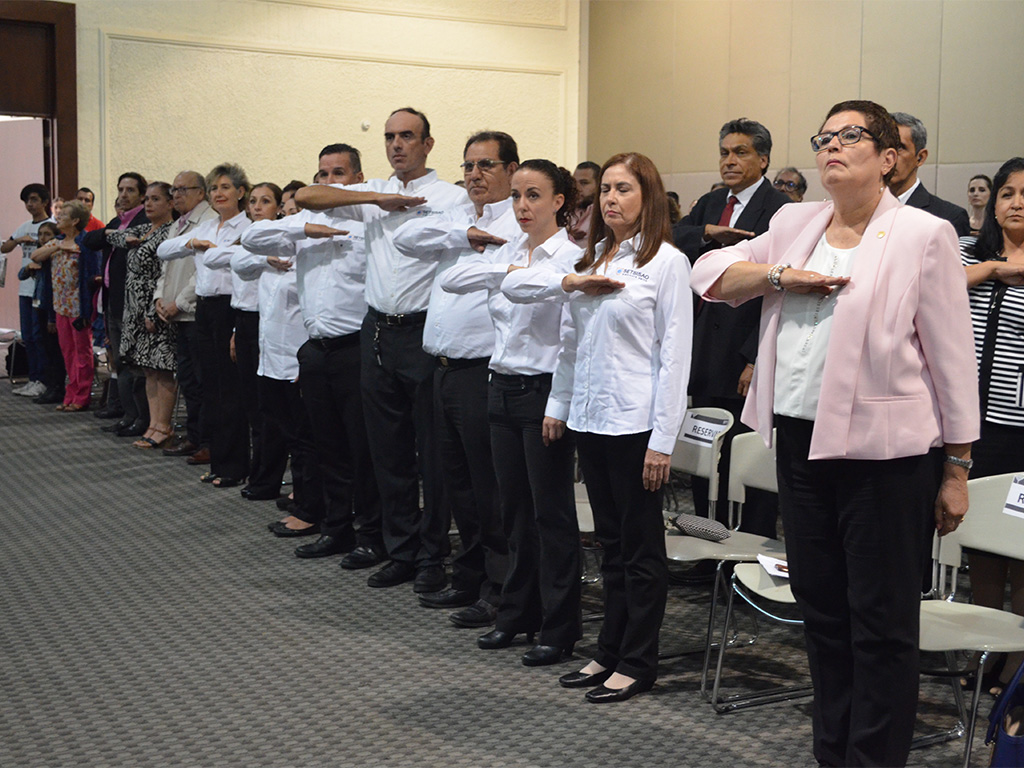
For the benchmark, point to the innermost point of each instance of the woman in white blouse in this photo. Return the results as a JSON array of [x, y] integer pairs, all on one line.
[[621, 387], [535, 475], [223, 421]]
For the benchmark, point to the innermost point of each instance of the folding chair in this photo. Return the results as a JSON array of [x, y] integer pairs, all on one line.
[[947, 626]]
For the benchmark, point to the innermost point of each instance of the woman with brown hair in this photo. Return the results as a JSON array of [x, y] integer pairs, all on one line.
[[620, 386]]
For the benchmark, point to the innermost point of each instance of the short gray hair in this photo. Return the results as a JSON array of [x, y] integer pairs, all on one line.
[[197, 179], [234, 172], [918, 133]]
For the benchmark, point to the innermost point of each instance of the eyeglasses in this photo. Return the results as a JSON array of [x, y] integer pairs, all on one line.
[[484, 165], [182, 190], [847, 136], [787, 185]]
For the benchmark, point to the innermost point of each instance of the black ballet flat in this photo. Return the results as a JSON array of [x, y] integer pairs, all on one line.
[[602, 695], [499, 638], [583, 680], [545, 655]]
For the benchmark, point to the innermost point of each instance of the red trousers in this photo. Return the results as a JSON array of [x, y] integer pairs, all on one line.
[[76, 347]]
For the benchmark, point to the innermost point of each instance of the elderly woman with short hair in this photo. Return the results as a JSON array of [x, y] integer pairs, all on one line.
[[866, 369]]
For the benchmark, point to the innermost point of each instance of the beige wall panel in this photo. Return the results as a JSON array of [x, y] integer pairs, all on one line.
[[901, 54], [219, 122], [701, 85], [951, 181], [541, 13], [759, 79], [825, 69], [982, 100], [631, 74]]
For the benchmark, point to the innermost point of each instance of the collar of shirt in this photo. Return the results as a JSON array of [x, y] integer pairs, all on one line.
[[906, 195], [544, 251], [416, 184], [127, 216], [492, 212], [743, 197]]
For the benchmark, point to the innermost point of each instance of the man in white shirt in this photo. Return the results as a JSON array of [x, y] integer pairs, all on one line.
[[175, 297], [397, 374], [459, 334], [338, 498], [36, 198]]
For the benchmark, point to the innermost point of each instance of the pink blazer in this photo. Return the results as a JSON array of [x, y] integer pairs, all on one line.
[[900, 375]]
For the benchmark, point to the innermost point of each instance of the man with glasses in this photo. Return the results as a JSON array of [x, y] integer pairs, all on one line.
[[175, 296], [724, 337], [905, 185], [397, 375], [459, 335], [791, 182]]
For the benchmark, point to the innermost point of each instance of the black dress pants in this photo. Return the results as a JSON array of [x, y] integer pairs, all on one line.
[[630, 525], [398, 403], [54, 373], [538, 509], [131, 383], [190, 385], [464, 442], [858, 536], [761, 508], [329, 378], [284, 414], [228, 433], [269, 450]]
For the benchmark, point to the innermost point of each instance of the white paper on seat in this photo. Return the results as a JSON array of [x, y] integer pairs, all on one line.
[[774, 566], [701, 429], [1015, 498]]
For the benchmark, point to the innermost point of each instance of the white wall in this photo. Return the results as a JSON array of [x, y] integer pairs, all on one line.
[[172, 84]]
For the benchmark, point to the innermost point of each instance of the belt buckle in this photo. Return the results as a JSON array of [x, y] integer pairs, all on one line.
[[444, 361], [393, 319]]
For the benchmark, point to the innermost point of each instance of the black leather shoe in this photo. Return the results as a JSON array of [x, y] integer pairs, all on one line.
[[499, 638], [184, 448], [282, 531], [117, 426], [447, 598], [284, 503], [392, 574], [108, 413], [583, 680], [260, 494], [361, 557], [132, 430], [545, 655], [602, 695], [49, 397], [430, 579], [325, 546], [479, 614]]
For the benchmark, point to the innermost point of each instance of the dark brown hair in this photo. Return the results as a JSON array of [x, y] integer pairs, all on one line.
[[877, 120], [562, 183], [654, 226]]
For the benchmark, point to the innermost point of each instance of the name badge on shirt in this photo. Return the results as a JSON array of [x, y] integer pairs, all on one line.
[[1015, 498], [701, 429]]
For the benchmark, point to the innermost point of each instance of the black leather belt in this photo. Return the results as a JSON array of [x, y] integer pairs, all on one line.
[[455, 363], [337, 342], [409, 318]]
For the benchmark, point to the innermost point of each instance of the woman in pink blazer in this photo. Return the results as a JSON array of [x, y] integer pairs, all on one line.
[[866, 368]]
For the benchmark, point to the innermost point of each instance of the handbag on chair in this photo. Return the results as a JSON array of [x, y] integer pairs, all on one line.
[[1006, 724]]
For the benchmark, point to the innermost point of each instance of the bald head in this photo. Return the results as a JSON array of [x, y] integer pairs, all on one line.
[[189, 190]]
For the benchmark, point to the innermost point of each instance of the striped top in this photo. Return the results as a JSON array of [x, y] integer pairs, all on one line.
[[1006, 391]]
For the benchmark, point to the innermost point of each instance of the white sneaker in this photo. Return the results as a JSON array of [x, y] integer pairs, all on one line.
[[37, 390], [25, 390]]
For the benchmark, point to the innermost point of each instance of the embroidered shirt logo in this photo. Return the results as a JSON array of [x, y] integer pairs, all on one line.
[[634, 273]]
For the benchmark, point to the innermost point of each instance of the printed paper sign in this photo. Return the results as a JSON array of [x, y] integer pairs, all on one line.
[[774, 566], [701, 429], [1015, 498]]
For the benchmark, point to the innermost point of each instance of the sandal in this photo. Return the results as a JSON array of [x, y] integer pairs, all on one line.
[[61, 407], [207, 477], [73, 407], [148, 443]]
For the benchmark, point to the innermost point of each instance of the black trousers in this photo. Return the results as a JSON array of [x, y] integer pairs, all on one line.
[[538, 510], [464, 443], [398, 403], [189, 379], [284, 415], [329, 378], [858, 535], [54, 373], [269, 451], [629, 524], [228, 432], [131, 382], [761, 508]]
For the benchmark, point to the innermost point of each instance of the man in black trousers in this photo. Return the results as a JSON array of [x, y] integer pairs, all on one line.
[[724, 337]]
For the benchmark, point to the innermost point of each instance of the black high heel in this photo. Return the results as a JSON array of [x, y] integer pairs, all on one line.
[[499, 638], [544, 655]]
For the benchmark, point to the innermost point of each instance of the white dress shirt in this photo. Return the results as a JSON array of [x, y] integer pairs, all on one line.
[[906, 195], [458, 324], [281, 328], [742, 198], [395, 283], [527, 337], [625, 363], [330, 272], [209, 282], [805, 326], [244, 293]]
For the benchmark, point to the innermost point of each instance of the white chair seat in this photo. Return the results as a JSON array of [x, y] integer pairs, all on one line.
[[763, 584], [737, 548], [953, 626]]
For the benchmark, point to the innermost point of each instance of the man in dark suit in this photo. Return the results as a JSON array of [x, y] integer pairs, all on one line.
[[724, 337], [905, 185]]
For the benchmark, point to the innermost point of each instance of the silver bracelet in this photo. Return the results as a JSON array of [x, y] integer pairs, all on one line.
[[957, 462], [775, 275]]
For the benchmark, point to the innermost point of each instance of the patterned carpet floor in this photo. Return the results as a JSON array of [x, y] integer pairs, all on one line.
[[147, 619]]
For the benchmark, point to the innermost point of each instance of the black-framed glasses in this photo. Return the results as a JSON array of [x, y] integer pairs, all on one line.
[[182, 190], [847, 136], [789, 186], [484, 165]]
